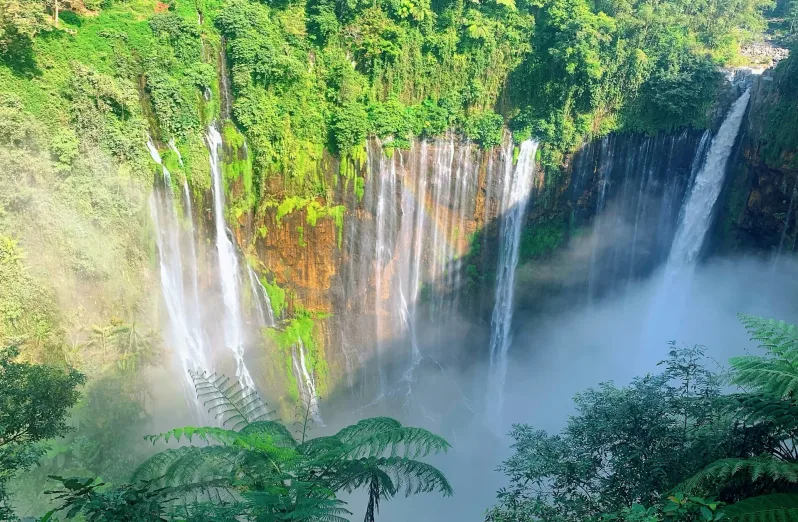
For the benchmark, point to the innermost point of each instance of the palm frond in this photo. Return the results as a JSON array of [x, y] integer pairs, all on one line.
[[230, 401], [753, 469], [780, 507]]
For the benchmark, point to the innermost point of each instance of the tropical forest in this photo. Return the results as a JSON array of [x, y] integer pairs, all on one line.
[[399, 260]]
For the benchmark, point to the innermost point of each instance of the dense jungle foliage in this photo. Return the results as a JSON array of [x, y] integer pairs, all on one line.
[[688, 444], [84, 82]]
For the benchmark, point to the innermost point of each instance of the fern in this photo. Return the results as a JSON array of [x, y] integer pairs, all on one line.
[[780, 507], [282, 479], [373, 437], [753, 469], [230, 401], [760, 408], [776, 374]]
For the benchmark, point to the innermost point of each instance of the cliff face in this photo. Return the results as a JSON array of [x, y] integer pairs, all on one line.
[[393, 264], [758, 204], [400, 273]]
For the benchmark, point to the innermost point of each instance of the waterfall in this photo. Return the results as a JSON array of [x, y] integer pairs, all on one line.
[[185, 334], [516, 193], [228, 265], [305, 381], [697, 213], [263, 305], [418, 206]]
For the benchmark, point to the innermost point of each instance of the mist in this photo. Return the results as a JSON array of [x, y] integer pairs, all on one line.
[[558, 354]]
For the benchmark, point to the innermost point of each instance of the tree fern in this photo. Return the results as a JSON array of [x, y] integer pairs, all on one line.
[[780, 507], [777, 373], [280, 479], [372, 437], [228, 400], [752, 469]]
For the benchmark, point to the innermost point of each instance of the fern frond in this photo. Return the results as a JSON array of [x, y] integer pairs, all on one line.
[[368, 427], [415, 476], [234, 404], [776, 377], [299, 503], [191, 465], [761, 408], [275, 431], [206, 433], [320, 445], [754, 469], [780, 507], [409, 442], [777, 337]]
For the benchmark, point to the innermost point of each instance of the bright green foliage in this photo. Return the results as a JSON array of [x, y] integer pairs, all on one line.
[[276, 297], [281, 478], [485, 128], [34, 402], [774, 375], [299, 329]]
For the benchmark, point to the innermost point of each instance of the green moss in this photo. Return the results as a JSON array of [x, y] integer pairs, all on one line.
[[540, 240], [276, 297], [300, 230], [313, 212], [360, 188], [302, 328]]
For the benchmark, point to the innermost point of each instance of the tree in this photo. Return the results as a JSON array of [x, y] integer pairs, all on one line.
[[763, 484], [260, 469], [34, 402], [626, 446], [20, 20]]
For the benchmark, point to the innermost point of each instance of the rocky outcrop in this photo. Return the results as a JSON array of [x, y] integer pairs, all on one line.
[[757, 213]]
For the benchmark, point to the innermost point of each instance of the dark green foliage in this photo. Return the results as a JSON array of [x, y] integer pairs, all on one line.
[[677, 97], [781, 507], [126, 503], [34, 402], [539, 240], [625, 446]]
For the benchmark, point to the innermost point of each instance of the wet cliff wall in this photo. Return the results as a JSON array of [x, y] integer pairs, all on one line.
[[757, 213]]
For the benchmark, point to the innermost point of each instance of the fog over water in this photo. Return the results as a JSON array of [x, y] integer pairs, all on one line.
[[557, 355]]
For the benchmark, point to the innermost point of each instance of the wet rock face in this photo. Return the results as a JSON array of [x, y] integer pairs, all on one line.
[[757, 213]]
